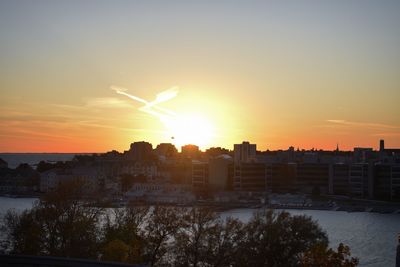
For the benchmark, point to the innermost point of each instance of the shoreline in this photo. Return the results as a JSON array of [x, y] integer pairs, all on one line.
[[221, 207]]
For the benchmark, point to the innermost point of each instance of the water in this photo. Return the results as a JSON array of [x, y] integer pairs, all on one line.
[[372, 237], [14, 159], [19, 204]]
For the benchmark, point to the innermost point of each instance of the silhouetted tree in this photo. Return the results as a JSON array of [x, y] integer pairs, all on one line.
[[322, 256], [162, 224], [62, 223], [191, 245], [116, 250], [224, 240], [278, 239], [23, 233], [123, 227]]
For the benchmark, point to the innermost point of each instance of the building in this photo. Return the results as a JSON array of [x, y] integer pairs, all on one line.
[[218, 174], [387, 181], [146, 169], [313, 177], [160, 193], [217, 151], [244, 152], [388, 155], [381, 145], [166, 150], [382, 181], [93, 178], [22, 180], [3, 164], [339, 179], [281, 177], [199, 175], [140, 151], [395, 182], [359, 180], [362, 155], [190, 151], [250, 177]]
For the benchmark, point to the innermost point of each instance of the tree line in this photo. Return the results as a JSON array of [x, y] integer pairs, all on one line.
[[64, 223]]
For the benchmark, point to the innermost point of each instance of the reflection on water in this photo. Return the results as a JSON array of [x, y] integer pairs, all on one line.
[[371, 236]]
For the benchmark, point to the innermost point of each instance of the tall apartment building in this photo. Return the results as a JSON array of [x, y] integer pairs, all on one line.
[[219, 172], [248, 174], [339, 179], [281, 177], [244, 152], [359, 180], [395, 183], [387, 181], [250, 177], [311, 176]]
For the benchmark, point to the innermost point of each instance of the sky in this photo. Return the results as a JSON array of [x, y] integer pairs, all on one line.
[[308, 74]]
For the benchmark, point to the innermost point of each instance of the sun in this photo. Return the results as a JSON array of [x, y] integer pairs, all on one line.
[[190, 128]]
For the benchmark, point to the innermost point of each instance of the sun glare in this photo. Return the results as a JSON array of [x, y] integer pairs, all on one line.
[[190, 129]]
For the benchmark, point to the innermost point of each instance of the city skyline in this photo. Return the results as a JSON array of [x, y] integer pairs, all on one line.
[[278, 74]]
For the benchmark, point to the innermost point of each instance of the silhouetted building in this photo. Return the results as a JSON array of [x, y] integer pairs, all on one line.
[[250, 177], [340, 179], [190, 151], [381, 145], [382, 181], [167, 150], [363, 155], [359, 180], [3, 164], [199, 175], [140, 151], [311, 176], [281, 177], [351, 180], [178, 172], [92, 177], [22, 180], [219, 172], [388, 155], [396, 182], [217, 151], [387, 181], [244, 152]]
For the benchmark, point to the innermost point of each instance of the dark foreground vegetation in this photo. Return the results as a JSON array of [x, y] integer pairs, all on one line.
[[64, 224]]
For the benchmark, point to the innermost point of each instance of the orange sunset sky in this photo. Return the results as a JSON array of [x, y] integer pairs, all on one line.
[[307, 74]]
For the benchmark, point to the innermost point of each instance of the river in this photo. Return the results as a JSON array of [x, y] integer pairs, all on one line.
[[372, 237]]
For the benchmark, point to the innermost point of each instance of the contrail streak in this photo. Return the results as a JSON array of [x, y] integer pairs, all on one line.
[[151, 107]]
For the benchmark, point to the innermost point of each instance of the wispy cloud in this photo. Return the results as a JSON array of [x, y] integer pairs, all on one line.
[[107, 102], [394, 134], [364, 124]]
